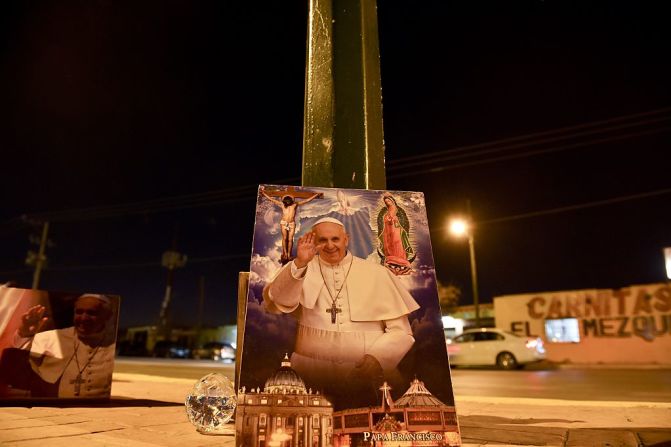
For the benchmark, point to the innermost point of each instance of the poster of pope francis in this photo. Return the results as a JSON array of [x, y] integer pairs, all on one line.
[[342, 292]]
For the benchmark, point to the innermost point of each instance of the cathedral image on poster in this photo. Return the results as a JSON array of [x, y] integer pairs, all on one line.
[[343, 338]]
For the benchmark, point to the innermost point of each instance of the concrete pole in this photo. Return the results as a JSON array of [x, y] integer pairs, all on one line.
[[474, 279], [474, 270], [343, 141]]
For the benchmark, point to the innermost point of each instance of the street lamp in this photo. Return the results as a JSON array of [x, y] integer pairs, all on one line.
[[463, 228]]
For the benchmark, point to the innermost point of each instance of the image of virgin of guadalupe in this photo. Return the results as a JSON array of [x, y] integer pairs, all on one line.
[[393, 242]]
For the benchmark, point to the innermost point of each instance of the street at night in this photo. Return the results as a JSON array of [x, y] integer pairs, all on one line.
[[573, 383], [541, 381]]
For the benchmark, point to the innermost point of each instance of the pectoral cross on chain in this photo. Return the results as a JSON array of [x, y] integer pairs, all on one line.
[[77, 381], [333, 311]]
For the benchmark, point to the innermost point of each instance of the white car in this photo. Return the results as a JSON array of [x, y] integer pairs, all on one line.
[[490, 346]]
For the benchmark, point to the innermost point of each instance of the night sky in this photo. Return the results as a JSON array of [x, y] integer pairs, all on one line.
[[133, 126]]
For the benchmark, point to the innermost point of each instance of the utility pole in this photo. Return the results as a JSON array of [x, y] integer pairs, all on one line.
[[474, 270], [474, 279], [171, 260], [39, 259], [201, 306]]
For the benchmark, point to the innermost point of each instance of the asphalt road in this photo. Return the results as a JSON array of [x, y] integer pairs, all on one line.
[[539, 381], [581, 384]]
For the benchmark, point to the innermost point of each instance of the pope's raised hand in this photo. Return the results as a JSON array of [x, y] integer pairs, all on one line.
[[306, 250], [32, 321]]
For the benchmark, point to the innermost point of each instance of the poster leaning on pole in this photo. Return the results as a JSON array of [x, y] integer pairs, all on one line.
[[344, 343]]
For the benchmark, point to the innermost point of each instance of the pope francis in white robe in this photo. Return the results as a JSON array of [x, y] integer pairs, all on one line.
[[59, 357], [78, 360], [352, 313]]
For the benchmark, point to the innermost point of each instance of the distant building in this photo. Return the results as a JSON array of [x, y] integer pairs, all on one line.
[[416, 418], [627, 325], [285, 413]]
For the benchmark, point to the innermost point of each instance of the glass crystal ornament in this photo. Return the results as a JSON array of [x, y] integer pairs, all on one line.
[[211, 404]]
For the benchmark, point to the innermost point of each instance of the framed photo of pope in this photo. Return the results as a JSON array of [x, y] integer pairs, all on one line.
[[343, 338], [56, 345]]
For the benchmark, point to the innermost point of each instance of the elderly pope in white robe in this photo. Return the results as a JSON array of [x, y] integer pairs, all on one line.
[[352, 313], [79, 360]]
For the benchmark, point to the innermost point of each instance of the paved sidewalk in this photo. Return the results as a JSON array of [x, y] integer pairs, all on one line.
[[149, 411], [553, 422]]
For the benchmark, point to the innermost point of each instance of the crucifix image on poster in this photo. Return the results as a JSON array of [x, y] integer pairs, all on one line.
[[289, 206]]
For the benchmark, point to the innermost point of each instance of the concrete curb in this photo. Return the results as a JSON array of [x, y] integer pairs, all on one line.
[[561, 402]]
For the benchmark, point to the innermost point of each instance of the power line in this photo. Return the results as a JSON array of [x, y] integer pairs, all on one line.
[[242, 193], [143, 264], [567, 208], [186, 201], [503, 144], [128, 265], [527, 215], [150, 206], [77, 268], [526, 154], [449, 157], [579, 206]]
